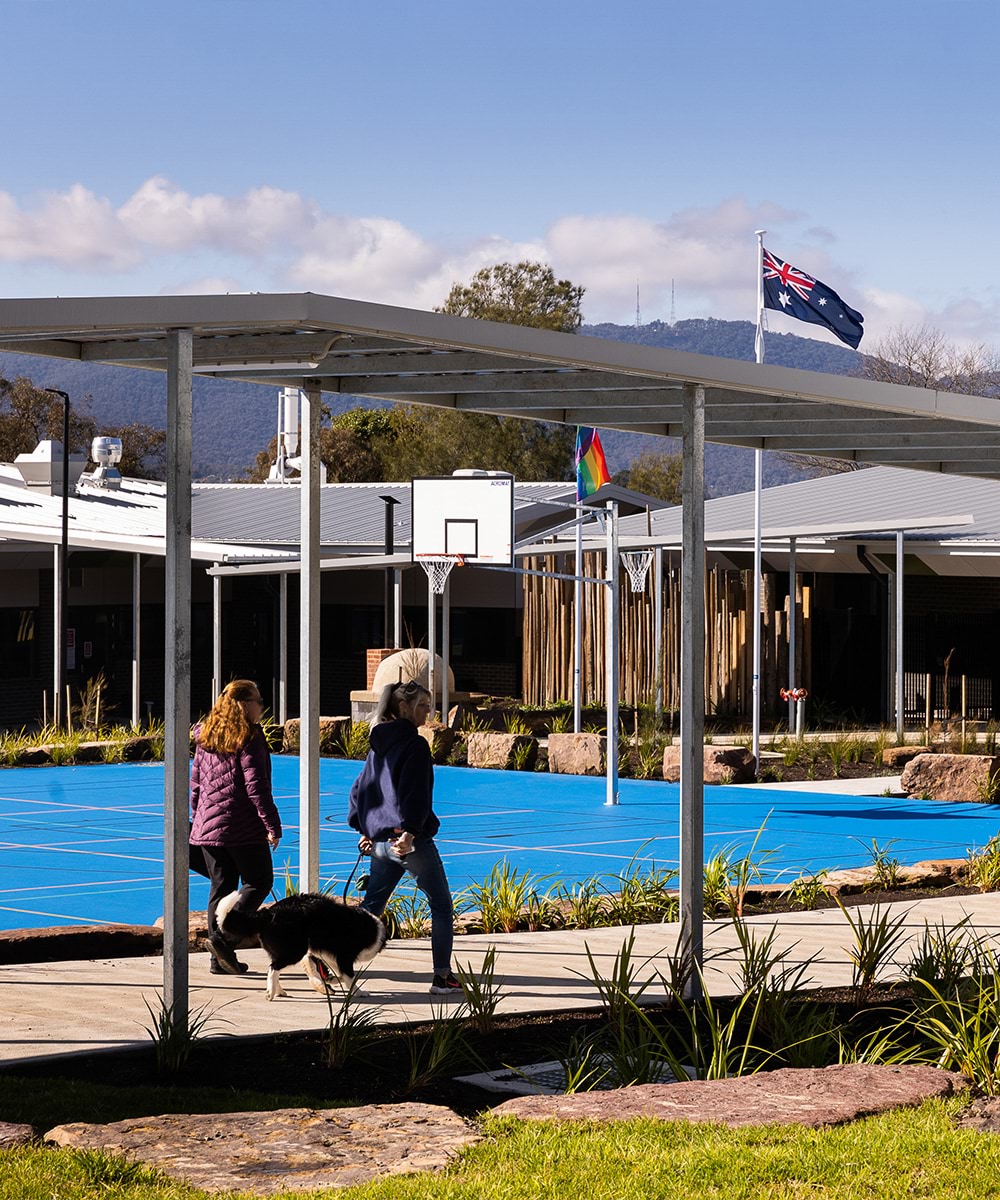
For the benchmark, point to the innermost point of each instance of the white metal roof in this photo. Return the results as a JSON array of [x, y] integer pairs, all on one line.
[[431, 358]]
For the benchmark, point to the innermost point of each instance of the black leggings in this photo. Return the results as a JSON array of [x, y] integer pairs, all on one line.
[[227, 865]]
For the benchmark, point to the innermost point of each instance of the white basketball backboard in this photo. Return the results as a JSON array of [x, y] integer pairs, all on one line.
[[467, 515]]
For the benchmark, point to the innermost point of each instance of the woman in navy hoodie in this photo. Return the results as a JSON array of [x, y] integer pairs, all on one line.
[[391, 808]]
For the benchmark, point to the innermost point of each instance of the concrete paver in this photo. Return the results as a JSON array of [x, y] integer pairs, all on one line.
[[70, 1007]]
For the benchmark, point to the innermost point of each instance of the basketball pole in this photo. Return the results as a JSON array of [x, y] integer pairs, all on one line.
[[578, 625], [430, 641], [611, 654], [445, 640]]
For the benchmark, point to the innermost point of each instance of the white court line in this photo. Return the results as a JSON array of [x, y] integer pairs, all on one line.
[[89, 853], [93, 883], [36, 912], [149, 806]]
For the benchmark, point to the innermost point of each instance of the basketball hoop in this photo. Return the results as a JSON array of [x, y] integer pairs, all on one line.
[[637, 563], [438, 570]]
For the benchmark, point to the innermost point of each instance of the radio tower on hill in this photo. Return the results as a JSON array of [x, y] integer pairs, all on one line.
[[638, 314], [673, 315]]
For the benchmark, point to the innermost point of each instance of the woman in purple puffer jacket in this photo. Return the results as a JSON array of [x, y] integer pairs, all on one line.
[[235, 821]]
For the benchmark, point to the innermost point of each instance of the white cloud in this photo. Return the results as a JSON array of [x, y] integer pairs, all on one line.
[[270, 238]]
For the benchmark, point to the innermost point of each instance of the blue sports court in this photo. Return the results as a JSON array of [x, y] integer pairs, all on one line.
[[84, 845]]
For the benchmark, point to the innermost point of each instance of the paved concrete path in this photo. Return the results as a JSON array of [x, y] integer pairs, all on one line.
[[65, 1007]]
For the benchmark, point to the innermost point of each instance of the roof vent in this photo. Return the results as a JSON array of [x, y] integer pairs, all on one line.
[[106, 452], [42, 469]]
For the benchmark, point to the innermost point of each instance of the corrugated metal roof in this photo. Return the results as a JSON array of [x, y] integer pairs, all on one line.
[[867, 500]]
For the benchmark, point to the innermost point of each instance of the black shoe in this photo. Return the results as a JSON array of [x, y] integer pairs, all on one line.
[[445, 985], [216, 968], [225, 956]]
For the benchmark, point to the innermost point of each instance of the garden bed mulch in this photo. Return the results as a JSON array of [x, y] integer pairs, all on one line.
[[293, 1065]]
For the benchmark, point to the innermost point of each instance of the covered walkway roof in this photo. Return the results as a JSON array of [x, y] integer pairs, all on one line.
[[429, 358], [324, 343]]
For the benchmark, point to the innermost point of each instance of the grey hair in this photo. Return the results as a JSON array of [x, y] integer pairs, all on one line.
[[392, 695]]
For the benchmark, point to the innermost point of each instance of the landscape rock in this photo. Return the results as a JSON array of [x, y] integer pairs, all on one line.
[[331, 729], [497, 750], [577, 753], [12, 1135], [723, 764], [954, 870], [982, 1115], [70, 943], [813, 1097], [897, 757], [198, 933], [440, 737], [288, 1150], [851, 880], [955, 777]]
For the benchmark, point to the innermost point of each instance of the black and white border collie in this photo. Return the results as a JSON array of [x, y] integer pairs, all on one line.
[[303, 928]]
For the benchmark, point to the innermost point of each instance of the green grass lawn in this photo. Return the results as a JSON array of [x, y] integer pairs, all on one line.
[[907, 1153]]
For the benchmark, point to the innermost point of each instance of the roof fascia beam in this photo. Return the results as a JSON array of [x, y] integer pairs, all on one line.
[[46, 346]]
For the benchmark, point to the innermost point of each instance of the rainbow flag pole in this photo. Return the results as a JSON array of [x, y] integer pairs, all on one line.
[[591, 466], [591, 473]]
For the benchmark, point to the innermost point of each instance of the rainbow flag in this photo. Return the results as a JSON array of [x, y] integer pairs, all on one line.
[[591, 468]]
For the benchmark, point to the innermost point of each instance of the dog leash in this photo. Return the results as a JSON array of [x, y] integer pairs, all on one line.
[[362, 882]]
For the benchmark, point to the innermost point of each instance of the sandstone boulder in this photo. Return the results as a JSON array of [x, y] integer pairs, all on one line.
[[810, 1096], [896, 757], [331, 729], [956, 777], [12, 1135], [440, 737], [65, 943], [577, 753], [498, 750], [723, 764], [289, 1150]]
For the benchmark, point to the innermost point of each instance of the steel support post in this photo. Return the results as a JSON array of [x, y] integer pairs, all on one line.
[[309, 642], [136, 637], [177, 676], [578, 625], [397, 609], [755, 608], [431, 644], [216, 636], [58, 635], [793, 613], [900, 573], [283, 648], [658, 632], [611, 638], [445, 648], [692, 708]]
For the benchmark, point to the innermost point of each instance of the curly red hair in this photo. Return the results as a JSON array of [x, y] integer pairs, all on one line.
[[226, 727]]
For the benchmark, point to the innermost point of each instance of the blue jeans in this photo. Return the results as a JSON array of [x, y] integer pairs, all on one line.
[[425, 865]]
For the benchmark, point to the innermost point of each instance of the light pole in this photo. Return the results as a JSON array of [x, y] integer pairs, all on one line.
[[64, 565], [390, 502]]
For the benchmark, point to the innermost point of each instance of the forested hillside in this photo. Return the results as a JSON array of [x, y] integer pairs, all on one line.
[[233, 421]]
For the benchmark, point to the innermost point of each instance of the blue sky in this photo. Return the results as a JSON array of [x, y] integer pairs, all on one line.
[[384, 150]]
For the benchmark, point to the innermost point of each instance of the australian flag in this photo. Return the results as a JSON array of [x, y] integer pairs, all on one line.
[[792, 291]]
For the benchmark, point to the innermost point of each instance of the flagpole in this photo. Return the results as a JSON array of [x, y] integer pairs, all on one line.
[[757, 475]]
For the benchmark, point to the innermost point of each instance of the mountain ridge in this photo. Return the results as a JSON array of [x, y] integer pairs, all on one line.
[[233, 421]]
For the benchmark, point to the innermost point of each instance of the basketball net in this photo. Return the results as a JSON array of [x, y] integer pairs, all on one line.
[[437, 570], [637, 564]]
